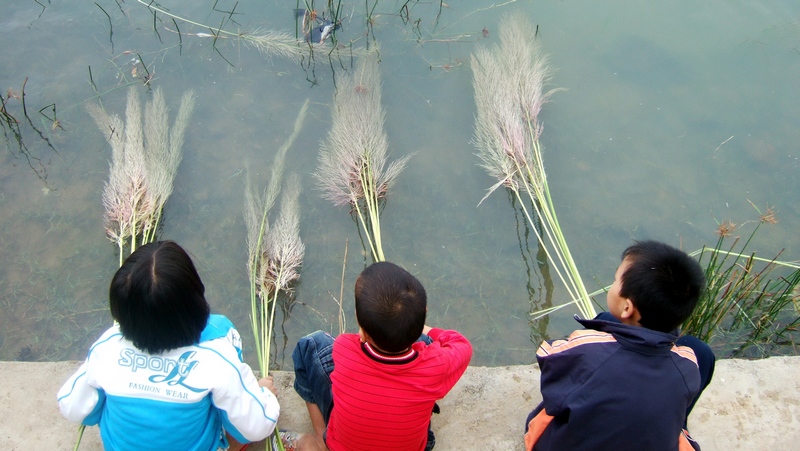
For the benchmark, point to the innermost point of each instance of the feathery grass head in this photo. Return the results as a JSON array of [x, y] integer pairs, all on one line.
[[143, 164], [163, 149], [509, 94], [123, 192], [353, 159], [257, 207], [275, 43], [284, 248], [357, 141]]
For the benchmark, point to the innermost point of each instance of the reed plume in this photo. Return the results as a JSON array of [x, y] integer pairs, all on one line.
[[353, 159], [275, 254], [509, 84], [163, 154], [143, 165]]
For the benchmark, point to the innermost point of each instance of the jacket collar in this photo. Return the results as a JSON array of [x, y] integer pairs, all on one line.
[[636, 338]]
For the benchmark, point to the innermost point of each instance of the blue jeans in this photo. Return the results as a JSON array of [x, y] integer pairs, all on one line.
[[313, 365]]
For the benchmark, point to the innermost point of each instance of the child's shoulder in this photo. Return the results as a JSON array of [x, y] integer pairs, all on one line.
[[576, 341], [110, 334], [217, 326], [347, 339]]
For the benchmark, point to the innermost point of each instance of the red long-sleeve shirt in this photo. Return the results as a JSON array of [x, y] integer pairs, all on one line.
[[385, 402]]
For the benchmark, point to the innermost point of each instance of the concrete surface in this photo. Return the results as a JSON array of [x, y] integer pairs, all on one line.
[[750, 405]]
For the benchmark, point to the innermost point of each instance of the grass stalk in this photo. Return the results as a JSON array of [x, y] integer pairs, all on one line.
[[260, 247]]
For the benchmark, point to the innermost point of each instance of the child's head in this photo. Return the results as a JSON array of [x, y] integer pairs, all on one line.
[[661, 283], [158, 299], [390, 306]]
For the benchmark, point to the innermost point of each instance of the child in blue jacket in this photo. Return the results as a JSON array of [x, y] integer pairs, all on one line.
[[168, 375], [627, 381]]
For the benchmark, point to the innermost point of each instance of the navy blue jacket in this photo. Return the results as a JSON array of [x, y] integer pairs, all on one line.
[[612, 386]]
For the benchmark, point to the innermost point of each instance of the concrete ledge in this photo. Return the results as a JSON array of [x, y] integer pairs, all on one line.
[[749, 405]]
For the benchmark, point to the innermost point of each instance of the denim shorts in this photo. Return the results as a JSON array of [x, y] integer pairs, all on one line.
[[313, 365]]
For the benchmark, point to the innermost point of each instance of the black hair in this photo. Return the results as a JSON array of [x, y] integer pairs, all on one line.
[[390, 306], [158, 299], [664, 283]]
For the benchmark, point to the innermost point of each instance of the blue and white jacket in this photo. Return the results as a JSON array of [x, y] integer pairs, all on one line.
[[613, 386], [180, 399]]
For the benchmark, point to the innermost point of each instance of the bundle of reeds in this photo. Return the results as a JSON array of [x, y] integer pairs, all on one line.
[[144, 161], [353, 163], [509, 84], [275, 252]]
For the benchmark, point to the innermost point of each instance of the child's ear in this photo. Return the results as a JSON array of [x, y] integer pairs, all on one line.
[[630, 314]]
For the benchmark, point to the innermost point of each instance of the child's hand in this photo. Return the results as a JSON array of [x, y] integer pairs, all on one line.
[[267, 383]]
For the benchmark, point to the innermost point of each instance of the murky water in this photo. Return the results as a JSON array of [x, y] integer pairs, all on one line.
[[675, 116]]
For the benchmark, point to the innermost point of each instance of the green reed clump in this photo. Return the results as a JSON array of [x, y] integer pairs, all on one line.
[[750, 304]]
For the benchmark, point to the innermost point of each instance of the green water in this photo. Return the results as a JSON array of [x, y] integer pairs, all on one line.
[[675, 116]]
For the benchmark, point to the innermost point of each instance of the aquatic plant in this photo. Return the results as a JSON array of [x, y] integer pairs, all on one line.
[[353, 162], [509, 84], [144, 161], [750, 304]]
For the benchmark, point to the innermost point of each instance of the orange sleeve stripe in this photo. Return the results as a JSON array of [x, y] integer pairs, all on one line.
[[685, 442], [685, 352], [536, 428], [577, 338]]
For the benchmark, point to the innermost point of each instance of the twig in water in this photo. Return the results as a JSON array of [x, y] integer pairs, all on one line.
[[110, 26], [723, 143]]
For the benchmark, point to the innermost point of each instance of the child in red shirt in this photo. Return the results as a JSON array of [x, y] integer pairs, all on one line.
[[376, 389]]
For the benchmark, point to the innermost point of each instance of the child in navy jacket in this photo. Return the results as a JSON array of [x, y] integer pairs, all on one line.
[[627, 382]]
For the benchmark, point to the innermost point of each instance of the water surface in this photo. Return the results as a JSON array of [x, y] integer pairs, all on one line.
[[675, 116]]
